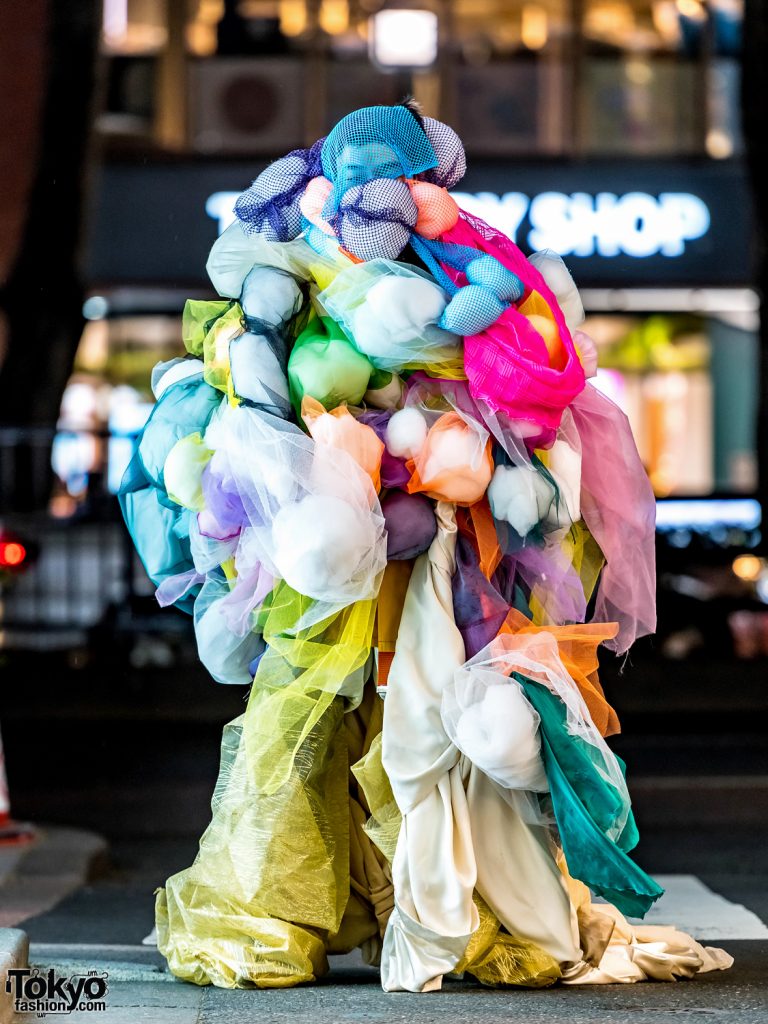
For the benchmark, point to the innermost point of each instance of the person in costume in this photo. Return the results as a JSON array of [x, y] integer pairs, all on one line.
[[380, 471]]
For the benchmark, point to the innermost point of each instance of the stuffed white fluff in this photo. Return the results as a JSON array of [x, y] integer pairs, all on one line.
[[164, 375], [320, 543], [390, 327], [500, 735], [271, 295], [520, 496], [457, 447], [406, 304], [565, 467], [183, 471], [406, 433], [559, 280]]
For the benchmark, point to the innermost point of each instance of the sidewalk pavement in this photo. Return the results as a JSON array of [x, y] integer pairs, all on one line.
[[34, 877]]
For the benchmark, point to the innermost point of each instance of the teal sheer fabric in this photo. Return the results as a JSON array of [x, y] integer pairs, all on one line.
[[185, 407], [375, 142], [159, 527], [586, 808]]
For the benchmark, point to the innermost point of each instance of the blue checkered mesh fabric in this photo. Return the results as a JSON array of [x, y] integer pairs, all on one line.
[[451, 158], [376, 219], [270, 207]]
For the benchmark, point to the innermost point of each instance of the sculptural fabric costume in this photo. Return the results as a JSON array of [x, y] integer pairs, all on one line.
[[380, 469]]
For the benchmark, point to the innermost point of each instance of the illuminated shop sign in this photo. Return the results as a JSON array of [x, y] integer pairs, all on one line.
[[618, 224], [580, 224]]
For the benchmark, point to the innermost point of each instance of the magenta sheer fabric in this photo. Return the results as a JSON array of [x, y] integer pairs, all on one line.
[[619, 508]]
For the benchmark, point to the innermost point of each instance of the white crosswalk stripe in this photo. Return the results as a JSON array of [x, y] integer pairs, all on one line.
[[692, 907]]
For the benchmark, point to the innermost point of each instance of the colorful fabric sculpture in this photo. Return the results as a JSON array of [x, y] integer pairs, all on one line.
[[380, 471]]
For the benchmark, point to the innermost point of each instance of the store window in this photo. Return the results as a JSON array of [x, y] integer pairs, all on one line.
[[106, 403], [509, 76], [528, 77], [660, 77], [688, 385]]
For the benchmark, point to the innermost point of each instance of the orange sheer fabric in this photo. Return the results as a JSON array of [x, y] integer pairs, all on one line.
[[577, 646]]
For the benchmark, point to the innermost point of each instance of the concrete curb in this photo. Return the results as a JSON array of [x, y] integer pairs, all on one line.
[[14, 952]]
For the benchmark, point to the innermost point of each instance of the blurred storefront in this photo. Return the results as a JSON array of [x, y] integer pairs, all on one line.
[[608, 130]]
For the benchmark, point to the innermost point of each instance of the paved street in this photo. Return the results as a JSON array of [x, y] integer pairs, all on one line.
[[353, 994], [100, 928], [139, 992]]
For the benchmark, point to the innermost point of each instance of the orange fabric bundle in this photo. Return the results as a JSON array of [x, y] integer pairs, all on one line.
[[577, 645], [455, 464], [339, 429], [438, 211]]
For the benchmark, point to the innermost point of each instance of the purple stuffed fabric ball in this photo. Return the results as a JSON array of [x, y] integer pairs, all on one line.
[[410, 522]]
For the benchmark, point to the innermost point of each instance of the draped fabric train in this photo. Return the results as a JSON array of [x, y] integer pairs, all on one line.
[[445, 800]]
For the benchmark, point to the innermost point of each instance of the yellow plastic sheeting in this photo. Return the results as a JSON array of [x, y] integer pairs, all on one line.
[[383, 826], [511, 961], [271, 879], [270, 883]]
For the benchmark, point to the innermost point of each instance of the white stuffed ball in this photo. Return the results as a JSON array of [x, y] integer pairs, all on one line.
[[520, 497], [406, 433], [500, 735], [320, 544]]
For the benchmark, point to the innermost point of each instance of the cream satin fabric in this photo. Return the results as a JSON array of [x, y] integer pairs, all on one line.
[[636, 953], [446, 801], [460, 834]]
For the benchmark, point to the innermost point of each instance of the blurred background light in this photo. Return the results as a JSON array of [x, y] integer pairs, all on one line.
[[95, 307], [334, 16], [534, 26], [403, 38], [748, 567], [293, 17]]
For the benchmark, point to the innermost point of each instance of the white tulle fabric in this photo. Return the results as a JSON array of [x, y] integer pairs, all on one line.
[[314, 516], [536, 657], [390, 312], [490, 720]]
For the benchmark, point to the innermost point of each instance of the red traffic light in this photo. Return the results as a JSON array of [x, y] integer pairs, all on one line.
[[12, 554]]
